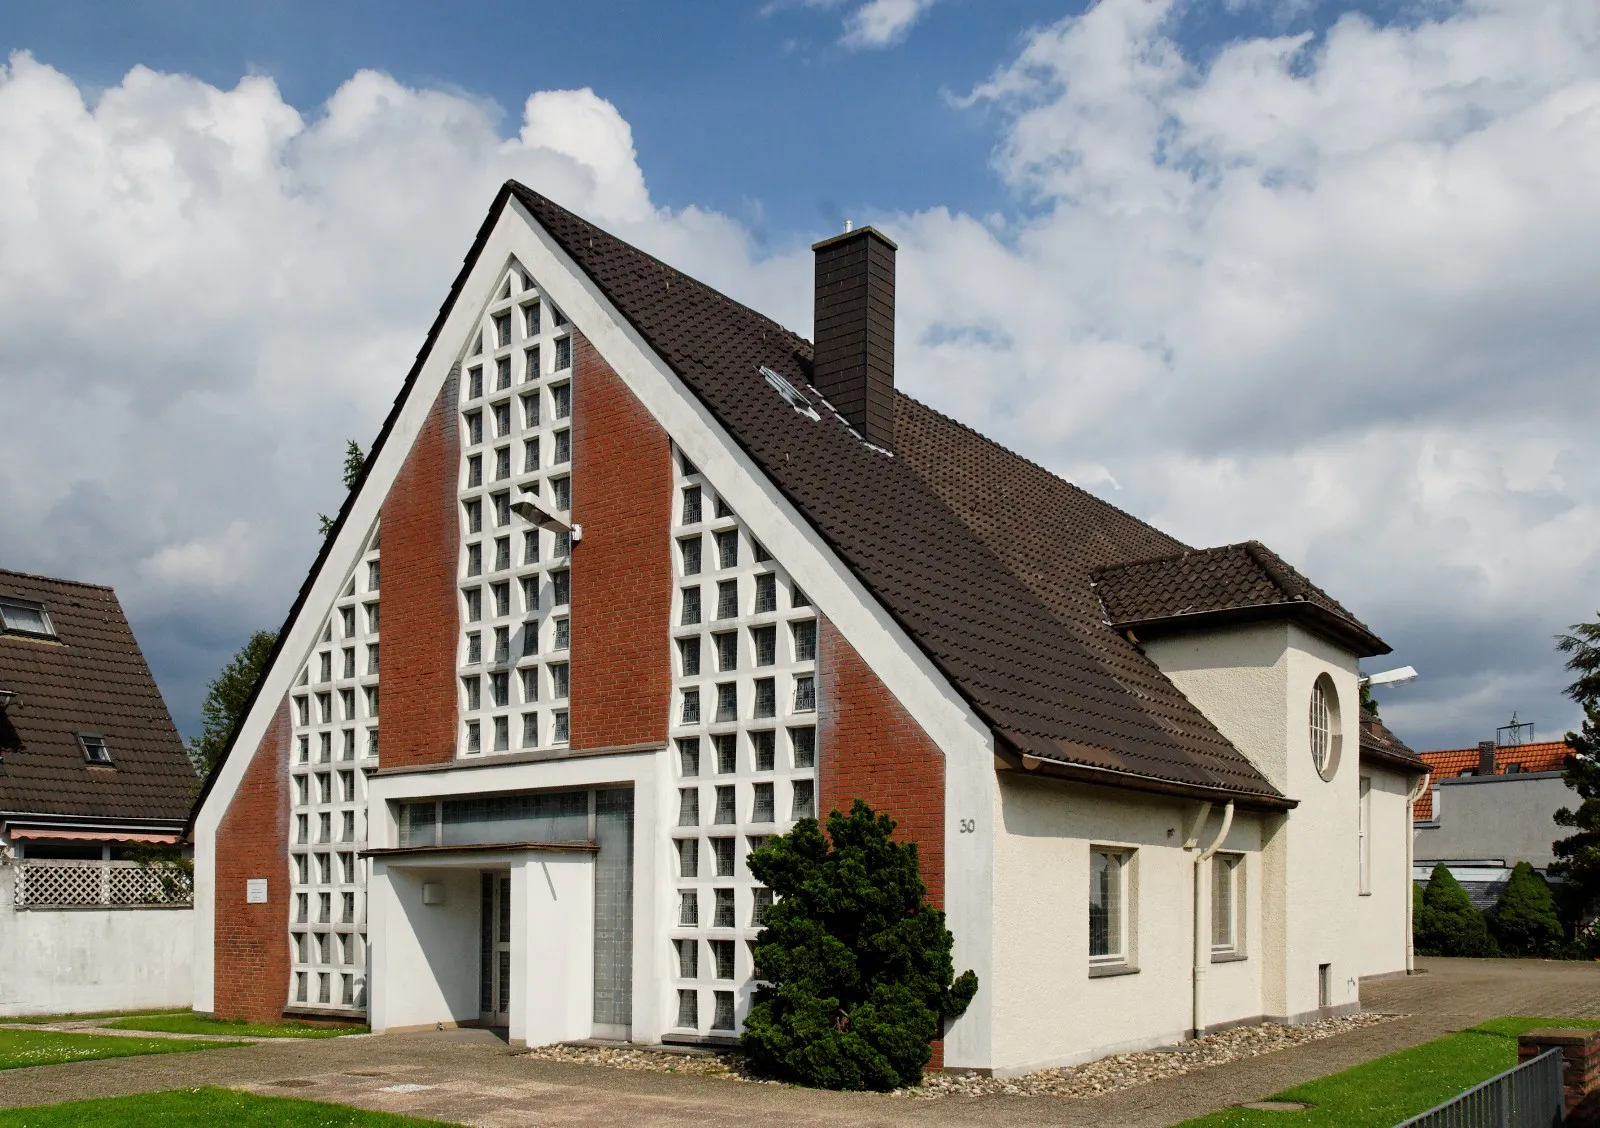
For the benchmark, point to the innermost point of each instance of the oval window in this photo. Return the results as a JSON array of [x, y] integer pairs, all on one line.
[[1326, 735]]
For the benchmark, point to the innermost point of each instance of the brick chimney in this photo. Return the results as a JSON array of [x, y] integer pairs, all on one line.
[[853, 364], [1486, 757]]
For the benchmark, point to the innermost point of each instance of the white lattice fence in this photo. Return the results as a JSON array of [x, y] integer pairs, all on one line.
[[68, 884]]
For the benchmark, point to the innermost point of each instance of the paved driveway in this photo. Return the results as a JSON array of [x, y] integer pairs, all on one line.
[[470, 1077]]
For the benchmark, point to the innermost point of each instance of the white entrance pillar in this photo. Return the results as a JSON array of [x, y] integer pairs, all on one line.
[[552, 947]]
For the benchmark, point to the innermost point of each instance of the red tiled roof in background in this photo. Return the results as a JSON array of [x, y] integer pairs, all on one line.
[[1447, 763]]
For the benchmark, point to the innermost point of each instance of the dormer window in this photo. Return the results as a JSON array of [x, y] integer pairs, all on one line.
[[21, 616], [94, 749]]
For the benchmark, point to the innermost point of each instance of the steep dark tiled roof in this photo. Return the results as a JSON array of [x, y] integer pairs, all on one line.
[[1378, 743], [989, 576], [1238, 582], [91, 679]]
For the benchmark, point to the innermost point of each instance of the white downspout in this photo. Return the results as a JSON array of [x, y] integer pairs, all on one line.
[[1411, 845], [1201, 951]]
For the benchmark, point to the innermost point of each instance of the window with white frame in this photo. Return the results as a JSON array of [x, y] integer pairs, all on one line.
[[1227, 905], [1108, 905]]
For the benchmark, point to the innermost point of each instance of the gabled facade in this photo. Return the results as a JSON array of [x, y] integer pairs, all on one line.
[[92, 777], [658, 578]]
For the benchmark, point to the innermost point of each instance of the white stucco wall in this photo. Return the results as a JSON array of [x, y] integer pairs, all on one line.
[[1382, 914], [552, 921], [1254, 683], [424, 956], [85, 960], [1047, 1009]]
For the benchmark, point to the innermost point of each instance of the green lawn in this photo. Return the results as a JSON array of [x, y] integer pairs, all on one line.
[[200, 1107], [20, 1048], [186, 1022], [1382, 1092]]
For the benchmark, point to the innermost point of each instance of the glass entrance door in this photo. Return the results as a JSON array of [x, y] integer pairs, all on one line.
[[494, 971]]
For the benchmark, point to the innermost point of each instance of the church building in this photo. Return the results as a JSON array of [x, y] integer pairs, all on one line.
[[657, 578]]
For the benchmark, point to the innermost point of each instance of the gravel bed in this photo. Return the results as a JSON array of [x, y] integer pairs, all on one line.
[[1092, 1079], [1124, 1071]]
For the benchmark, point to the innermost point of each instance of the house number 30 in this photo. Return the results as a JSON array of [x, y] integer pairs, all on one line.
[[968, 825]]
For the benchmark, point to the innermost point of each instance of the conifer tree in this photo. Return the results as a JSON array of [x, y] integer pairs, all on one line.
[[855, 966], [1449, 925], [226, 696], [1525, 919], [1578, 855]]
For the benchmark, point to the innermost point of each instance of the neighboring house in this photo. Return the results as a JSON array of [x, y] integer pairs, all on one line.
[[91, 768], [659, 578], [1486, 809]]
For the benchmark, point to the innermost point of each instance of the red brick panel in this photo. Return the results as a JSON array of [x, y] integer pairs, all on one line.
[[251, 967], [622, 568], [420, 623], [870, 748]]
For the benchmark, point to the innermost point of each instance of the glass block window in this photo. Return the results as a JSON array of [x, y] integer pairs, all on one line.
[[690, 714], [763, 746], [723, 1016], [560, 726], [474, 470], [475, 382], [727, 599], [563, 451], [727, 746], [689, 1009], [689, 656], [727, 644], [805, 694], [722, 958], [805, 799], [474, 559], [530, 319], [763, 809], [723, 916], [561, 395], [761, 902], [727, 701], [502, 374], [726, 813], [688, 857], [689, 755], [728, 548], [691, 507], [688, 908], [691, 607], [766, 593], [722, 855], [563, 353], [689, 548], [530, 730], [766, 698], [502, 419], [530, 418], [805, 640], [689, 806], [688, 963], [764, 641]]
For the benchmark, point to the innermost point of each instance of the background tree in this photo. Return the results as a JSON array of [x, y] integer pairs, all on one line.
[[354, 460], [1525, 919], [225, 700], [1578, 855], [856, 968], [1448, 925]]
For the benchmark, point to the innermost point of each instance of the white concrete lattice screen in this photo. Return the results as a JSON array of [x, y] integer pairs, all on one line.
[[89, 883]]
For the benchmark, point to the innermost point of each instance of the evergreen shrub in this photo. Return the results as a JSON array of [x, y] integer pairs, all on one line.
[[854, 966]]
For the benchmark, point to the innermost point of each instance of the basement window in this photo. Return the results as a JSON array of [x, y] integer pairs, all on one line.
[[791, 395], [94, 749], [19, 616]]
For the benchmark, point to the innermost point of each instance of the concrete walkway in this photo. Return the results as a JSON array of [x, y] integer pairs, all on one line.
[[470, 1077]]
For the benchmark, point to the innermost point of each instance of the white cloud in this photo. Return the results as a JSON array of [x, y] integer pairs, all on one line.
[[1333, 294], [882, 23]]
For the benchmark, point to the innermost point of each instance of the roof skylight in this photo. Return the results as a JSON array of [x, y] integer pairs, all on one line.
[[791, 394], [19, 616]]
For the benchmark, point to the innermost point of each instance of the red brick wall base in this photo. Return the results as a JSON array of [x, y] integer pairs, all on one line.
[[251, 968], [870, 748]]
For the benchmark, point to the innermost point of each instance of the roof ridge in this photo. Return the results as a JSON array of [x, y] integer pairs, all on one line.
[[1025, 460], [55, 579], [1165, 558], [519, 188]]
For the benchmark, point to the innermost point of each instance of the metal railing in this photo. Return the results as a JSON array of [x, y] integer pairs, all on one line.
[[62, 884], [1529, 1095]]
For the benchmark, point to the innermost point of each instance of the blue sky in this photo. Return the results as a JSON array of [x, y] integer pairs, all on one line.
[[1305, 271]]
